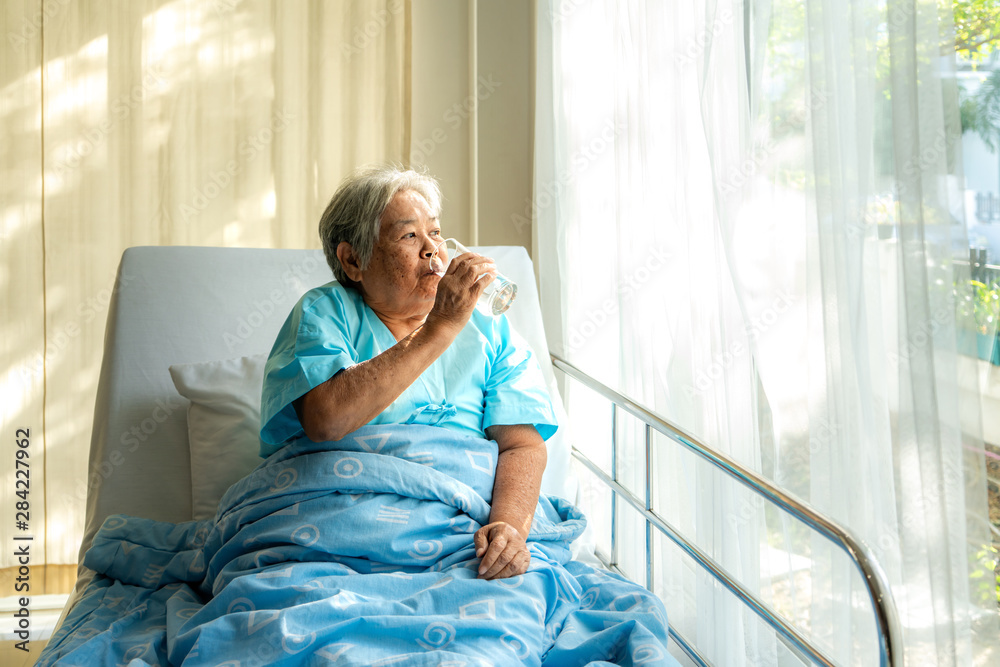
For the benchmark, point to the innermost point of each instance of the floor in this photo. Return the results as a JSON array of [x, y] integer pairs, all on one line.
[[12, 657]]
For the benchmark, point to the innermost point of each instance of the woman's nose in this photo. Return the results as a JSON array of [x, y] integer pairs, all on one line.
[[432, 250]]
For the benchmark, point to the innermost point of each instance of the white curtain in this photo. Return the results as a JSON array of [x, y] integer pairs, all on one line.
[[160, 122], [746, 222]]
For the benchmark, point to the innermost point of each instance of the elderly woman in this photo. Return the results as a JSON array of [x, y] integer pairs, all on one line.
[[393, 342]]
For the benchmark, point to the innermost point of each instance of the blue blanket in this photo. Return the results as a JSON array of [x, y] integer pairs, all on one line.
[[356, 552]]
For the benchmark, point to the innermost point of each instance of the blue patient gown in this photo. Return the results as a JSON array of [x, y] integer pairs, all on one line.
[[487, 376]]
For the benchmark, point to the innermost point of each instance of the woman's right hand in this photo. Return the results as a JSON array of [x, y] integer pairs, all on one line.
[[459, 290]]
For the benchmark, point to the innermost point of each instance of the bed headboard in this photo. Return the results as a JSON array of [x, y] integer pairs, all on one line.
[[175, 305]]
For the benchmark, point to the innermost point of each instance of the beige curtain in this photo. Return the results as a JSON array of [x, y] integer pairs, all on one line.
[[160, 122]]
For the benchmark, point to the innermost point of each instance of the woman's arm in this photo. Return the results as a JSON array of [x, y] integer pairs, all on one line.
[[356, 395], [502, 544]]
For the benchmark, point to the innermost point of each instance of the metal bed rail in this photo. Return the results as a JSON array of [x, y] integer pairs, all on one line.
[[887, 623]]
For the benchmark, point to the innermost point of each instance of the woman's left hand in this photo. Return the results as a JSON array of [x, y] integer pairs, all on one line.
[[503, 551]]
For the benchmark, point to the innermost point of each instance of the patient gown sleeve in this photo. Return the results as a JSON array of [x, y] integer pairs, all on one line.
[[314, 344], [515, 388]]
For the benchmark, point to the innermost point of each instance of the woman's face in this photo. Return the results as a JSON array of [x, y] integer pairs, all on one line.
[[398, 281]]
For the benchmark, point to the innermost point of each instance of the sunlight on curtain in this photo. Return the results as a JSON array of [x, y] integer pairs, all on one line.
[[162, 122], [21, 390], [760, 249], [857, 174], [637, 285]]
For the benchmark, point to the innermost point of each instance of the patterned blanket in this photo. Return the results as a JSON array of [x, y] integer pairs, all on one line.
[[355, 552]]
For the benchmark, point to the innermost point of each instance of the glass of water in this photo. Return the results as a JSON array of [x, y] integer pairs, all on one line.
[[498, 295]]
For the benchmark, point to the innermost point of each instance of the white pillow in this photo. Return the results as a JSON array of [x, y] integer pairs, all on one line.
[[223, 425]]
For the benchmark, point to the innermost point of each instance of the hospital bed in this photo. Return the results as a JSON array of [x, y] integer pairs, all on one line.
[[213, 313]]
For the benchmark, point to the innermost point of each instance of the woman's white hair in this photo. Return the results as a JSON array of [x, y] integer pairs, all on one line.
[[355, 211]]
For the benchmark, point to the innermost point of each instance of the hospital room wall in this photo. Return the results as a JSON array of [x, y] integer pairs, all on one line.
[[472, 114]]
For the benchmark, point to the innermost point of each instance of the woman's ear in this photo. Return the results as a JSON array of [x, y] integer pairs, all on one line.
[[349, 261]]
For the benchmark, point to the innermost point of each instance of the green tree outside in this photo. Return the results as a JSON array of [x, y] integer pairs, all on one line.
[[977, 36]]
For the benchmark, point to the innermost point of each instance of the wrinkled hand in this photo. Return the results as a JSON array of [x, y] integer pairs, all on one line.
[[460, 287], [503, 551]]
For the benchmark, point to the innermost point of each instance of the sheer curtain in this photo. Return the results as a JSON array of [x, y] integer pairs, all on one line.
[[637, 282], [759, 248], [155, 123], [893, 442]]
